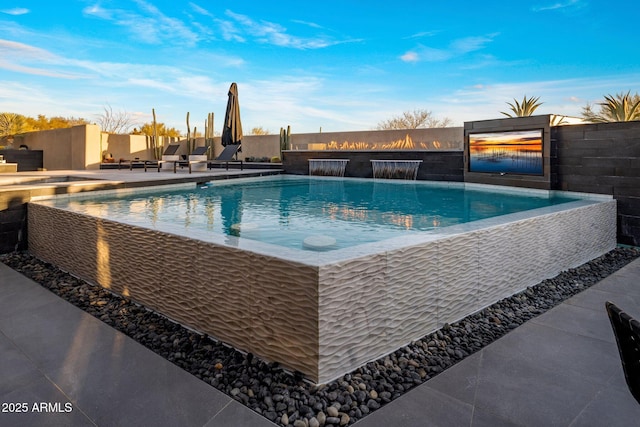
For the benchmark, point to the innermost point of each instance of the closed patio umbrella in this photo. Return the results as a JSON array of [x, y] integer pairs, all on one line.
[[232, 131]]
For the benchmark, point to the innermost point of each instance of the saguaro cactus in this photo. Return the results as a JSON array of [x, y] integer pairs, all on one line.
[[285, 139], [208, 134], [191, 143], [155, 145]]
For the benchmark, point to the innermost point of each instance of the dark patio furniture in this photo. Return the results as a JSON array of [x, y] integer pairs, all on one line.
[[627, 332], [171, 150], [226, 156]]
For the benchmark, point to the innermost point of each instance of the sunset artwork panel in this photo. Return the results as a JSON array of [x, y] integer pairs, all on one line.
[[516, 152]]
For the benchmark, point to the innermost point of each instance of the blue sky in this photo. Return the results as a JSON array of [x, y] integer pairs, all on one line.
[[336, 65]]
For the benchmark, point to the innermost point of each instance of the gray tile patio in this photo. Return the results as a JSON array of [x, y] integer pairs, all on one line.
[[559, 369], [53, 352]]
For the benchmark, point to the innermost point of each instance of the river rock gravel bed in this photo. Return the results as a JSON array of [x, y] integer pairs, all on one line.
[[285, 397]]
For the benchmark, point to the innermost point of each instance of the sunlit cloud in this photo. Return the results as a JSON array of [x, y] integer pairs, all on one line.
[[16, 11]]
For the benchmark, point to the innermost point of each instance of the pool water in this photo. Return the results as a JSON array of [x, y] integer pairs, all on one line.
[[312, 213]]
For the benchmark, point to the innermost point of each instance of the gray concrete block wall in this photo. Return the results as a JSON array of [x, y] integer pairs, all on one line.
[[435, 166], [605, 159], [27, 160]]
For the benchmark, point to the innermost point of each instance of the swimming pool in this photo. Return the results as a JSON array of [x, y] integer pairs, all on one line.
[[326, 312], [311, 213]]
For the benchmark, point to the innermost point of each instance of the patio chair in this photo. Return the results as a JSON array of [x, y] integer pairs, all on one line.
[[168, 156], [627, 332], [227, 156], [197, 156], [130, 163]]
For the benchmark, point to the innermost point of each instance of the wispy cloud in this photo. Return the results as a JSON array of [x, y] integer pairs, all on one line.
[[148, 24], [200, 10], [15, 11], [456, 48], [560, 5], [310, 99], [98, 11], [422, 34], [243, 27], [484, 61], [471, 44], [307, 23], [26, 59]]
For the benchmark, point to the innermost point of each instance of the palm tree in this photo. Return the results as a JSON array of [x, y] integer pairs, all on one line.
[[525, 109], [621, 107]]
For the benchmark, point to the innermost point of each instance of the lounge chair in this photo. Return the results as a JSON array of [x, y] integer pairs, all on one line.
[[169, 156], [169, 151], [627, 332], [226, 156], [130, 163], [197, 156]]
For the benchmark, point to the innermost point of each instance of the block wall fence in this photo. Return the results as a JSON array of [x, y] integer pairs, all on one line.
[[602, 158]]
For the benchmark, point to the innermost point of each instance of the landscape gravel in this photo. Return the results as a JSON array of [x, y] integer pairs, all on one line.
[[286, 398]]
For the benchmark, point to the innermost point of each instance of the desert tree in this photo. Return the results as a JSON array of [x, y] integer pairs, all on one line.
[[163, 130], [413, 120], [43, 122], [259, 130], [115, 121]]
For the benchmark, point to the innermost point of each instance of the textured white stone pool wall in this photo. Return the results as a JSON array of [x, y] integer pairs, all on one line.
[[329, 313], [373, 305], [254, 302]]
